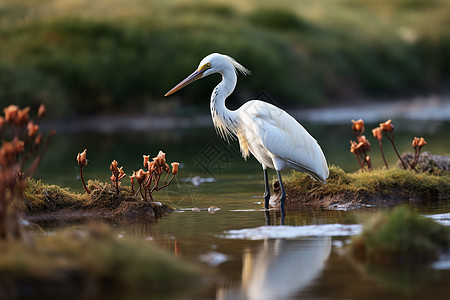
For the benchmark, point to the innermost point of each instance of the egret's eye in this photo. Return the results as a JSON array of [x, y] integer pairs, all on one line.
[[205, 66]]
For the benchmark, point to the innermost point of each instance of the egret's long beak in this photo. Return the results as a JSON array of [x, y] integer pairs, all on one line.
[[191, 78]]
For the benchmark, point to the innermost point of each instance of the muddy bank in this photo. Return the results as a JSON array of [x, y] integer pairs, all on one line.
[[53, 202], [364, 189]]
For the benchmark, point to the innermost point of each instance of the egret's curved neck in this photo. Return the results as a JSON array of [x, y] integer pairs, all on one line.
[[223, 118]]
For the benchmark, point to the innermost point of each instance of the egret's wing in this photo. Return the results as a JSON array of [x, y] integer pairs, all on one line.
[[285, 138]]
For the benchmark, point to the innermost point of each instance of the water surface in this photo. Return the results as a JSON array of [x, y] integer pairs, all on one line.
[[307, 263]]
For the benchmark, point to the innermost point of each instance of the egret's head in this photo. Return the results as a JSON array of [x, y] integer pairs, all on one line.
[[213, 63]]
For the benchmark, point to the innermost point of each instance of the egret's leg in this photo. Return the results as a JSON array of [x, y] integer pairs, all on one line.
[[283, 194], [267, 189]]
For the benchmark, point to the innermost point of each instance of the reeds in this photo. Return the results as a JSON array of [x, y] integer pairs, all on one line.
[[21, 152], [148, 181], [362, 146], [153, 175]]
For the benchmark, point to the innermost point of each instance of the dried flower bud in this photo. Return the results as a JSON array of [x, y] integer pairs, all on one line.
[[415, 142], [387, 126], [146, 159], [175, 168], [363, 143], [353, 147], [23, 116], [113, 166], [377, 133], [9, 151], [358, 126], [140, 176], [81, 158], [158, 164], [162, 155], [11, 113], [121, 173], [422, 142], [41, 111], [159, 161], [32, 129]]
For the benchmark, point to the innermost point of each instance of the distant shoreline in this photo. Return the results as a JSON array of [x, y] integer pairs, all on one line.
[[432, 108]]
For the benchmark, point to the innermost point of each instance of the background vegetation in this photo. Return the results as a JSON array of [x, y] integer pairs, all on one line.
[[82, 56]]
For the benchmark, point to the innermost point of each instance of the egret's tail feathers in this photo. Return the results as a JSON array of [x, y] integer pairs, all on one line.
[[315, 175]]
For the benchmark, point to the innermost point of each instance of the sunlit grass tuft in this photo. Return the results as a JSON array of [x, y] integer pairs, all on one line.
[[41, 197]]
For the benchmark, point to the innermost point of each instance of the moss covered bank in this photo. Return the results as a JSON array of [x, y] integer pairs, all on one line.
[[354, 190], [51, 201]]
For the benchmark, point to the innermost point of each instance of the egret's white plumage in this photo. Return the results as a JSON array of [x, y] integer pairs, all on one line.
[[275, 138], [278, 141]]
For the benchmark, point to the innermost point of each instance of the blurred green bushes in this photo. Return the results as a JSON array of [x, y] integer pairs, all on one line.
[[80, 56]]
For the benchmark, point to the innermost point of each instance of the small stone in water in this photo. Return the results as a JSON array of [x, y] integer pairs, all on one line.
[[213, 209], [213, 258], [196, 209]]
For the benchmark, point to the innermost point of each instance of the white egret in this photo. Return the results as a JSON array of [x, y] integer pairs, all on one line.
[[275, 138]]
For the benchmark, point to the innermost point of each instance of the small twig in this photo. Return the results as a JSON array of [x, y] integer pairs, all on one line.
[[395, 148], [382, 154], [165, 185], [140, 190], [82, 180], [33, 168]]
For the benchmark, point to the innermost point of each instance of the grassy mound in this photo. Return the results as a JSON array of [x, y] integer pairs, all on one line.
[[102, 201], [401, 237], [94, 260], [352, 190]]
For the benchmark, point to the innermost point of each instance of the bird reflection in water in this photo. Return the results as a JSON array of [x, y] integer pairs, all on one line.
[[279, 269]]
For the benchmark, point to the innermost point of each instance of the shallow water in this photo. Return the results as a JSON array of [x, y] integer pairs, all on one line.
[[251, 255]]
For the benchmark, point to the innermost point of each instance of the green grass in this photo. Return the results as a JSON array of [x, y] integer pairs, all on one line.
[[41, 198], [401, 237], [379, 187], [80, 56]]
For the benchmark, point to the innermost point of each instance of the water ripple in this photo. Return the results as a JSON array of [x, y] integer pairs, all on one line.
[[275, 232]]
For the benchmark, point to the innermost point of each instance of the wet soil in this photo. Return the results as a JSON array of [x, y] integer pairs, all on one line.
[[346, 201]]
